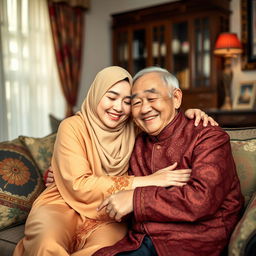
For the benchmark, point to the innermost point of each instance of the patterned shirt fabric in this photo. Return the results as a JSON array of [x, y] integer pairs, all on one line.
[[193, 220]]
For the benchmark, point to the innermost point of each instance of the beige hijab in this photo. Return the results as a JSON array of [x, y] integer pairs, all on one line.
[[114, 145]]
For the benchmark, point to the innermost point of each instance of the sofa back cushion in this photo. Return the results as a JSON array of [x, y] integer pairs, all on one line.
[[41, 150], [20, 183], [243, 144]]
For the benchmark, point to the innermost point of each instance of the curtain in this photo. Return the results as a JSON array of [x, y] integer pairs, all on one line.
[[31, 84], [67, 23], [3, 116], [75, 3]]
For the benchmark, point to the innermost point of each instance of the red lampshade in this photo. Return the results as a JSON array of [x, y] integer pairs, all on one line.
[[227, 44]]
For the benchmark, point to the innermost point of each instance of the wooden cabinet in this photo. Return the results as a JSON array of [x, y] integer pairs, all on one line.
[[234, 118], [180, 37]]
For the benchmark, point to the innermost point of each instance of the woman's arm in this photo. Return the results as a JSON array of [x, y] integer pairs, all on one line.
[[199, 115], [165, 177]]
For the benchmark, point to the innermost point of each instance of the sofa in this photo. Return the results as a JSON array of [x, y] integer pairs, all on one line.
[[23, 162]]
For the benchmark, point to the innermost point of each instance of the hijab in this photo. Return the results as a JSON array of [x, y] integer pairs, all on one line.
[[114, 145]]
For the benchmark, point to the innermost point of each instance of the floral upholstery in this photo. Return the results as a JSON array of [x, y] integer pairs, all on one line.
[[243, 143], [41, 150], [20, 183], [244, 153], [244, 231]]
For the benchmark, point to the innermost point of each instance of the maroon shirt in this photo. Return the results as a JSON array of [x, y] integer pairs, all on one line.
[[198, 218]]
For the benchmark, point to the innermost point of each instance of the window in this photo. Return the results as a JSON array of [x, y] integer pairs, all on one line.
[[30, 88]]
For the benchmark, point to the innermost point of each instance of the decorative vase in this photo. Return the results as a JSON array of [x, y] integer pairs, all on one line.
[[175, 46], [185, 47], [163, 49], [155, 49], [207, 44]]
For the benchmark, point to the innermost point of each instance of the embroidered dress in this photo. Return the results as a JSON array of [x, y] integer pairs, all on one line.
[[90, 162]]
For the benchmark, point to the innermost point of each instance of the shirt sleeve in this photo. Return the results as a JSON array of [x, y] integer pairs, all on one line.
[[81, 189], [213, 172]]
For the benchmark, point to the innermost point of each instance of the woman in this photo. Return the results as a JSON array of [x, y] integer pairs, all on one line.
[[90, 162]]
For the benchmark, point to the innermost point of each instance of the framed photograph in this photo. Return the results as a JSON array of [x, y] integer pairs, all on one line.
[[245, 97], [248, 32]]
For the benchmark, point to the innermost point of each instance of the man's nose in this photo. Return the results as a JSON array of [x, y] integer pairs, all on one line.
[[146, 107]]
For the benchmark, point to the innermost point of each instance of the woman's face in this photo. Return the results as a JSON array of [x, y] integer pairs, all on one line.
[[115, 106]]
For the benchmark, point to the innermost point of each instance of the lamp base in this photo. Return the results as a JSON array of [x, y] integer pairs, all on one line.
[[227, 76], [227, 105]]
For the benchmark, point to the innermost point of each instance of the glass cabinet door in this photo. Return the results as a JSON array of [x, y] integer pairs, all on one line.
[[159, 47], [202, 53], [122, 49], [180, 53], [139, 50]]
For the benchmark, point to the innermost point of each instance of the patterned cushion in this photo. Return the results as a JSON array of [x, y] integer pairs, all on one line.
[[244, 231], [20, 183], [244, 153], [241, 133], [41, 150], [243, 143]]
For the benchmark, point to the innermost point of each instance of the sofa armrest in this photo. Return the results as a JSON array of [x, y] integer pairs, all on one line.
[[244, 231]]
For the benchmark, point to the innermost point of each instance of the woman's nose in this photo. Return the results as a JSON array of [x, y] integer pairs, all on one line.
[[118, 106]]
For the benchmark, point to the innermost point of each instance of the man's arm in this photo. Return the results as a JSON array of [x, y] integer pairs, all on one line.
[[213, 172]]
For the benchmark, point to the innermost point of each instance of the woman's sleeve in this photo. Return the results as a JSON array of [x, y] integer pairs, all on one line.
[[80, 188]]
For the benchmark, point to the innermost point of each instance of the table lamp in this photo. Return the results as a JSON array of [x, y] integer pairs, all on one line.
[[228, 46]]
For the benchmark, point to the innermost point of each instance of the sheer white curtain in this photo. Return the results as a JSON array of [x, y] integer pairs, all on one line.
[[30, 84]]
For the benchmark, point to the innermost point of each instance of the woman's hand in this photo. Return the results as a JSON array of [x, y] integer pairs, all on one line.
[[165, 177], [198, 115], [118, 205], [48, 178]]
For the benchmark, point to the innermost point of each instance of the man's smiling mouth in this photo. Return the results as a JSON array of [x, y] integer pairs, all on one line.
[[149, 118]]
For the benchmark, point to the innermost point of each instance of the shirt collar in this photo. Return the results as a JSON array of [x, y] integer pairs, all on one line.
[[169, 130]]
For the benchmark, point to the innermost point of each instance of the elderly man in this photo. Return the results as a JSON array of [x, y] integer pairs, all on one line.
[[195, 219]]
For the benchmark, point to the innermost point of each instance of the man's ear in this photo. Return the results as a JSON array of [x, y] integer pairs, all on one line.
[[177, 98]]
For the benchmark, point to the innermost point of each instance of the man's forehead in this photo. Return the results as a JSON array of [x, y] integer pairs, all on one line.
[[145, 91]]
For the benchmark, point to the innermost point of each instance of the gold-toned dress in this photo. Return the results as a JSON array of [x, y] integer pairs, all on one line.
[[89, 163]]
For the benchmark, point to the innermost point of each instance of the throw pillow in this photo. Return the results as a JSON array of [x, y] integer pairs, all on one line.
[[20, 183], [245, 230], [243, 143], [244, 153], [41, 150]]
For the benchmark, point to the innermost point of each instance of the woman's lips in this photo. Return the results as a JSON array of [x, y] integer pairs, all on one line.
[[114, 116]]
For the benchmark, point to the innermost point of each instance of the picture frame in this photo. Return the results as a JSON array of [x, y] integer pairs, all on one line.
[[245, 96], [248, 32]]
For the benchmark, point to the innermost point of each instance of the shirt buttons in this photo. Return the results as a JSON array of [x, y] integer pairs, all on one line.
[[158, 147]]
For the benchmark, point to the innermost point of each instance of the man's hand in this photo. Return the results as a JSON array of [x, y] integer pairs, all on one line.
[[118, 205]]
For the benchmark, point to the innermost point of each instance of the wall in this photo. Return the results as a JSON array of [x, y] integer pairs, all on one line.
[[235, 26], [97, 42], [97, 53]]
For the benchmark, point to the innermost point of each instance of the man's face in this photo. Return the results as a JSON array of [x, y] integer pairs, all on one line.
[[152, 107]]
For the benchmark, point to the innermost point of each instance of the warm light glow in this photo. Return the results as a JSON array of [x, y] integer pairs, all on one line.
[[227, 44]]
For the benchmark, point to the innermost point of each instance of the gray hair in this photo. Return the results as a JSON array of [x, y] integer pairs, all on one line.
[[170, 80]]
